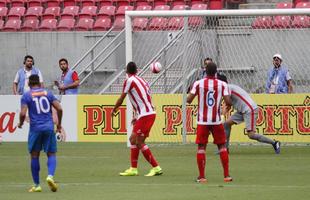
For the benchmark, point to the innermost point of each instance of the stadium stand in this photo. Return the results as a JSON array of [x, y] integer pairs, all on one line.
[[1, 24], [301, 22], [3, 12], [106, 11], [17, 3], [34, 3], [84, 3], [2, 3], [53, 3], [70, 12]]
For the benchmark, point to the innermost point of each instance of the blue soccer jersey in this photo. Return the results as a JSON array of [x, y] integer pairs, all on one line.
[[39, 103]]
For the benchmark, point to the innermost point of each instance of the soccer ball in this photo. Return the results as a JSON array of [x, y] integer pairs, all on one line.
[[155, 67]]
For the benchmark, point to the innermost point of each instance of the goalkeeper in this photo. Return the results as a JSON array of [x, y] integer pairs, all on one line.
[[246, 112]]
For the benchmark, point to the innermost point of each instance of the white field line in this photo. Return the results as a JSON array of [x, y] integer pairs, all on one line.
[[232, 185]]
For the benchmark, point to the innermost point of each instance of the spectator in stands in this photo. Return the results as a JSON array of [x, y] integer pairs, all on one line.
[[202, 72], [69, 80], [278, 79], [20, 84]]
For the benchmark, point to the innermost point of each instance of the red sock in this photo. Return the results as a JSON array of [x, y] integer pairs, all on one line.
[[201, 161], [134, 155], [225, 161], [148, 155]]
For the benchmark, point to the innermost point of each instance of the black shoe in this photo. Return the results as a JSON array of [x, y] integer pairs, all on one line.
[[277, 147]]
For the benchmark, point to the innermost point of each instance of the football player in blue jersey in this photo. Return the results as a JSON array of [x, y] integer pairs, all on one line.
[[38, 102]]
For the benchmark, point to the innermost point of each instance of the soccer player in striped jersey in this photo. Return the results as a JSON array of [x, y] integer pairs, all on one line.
[[210, 92], [246, 112], [39, 102], [138, 91]]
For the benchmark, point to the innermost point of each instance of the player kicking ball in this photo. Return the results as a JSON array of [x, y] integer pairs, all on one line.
[[39, 102], [247, 111], [140, 98]]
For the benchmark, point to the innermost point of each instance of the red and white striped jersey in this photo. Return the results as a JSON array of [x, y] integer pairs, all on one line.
[[139, 95], [210, 92]]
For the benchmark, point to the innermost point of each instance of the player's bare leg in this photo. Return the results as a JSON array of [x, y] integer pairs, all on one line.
[[225, 161], [35, 169], [201, 163]]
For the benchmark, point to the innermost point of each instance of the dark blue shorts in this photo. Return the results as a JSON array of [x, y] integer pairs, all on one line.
[[38, 140]]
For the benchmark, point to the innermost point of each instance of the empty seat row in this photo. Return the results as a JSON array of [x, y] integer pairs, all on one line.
[[268, 22], [100, 3]]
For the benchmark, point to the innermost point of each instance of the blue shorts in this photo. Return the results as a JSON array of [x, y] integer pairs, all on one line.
[[38, 140]]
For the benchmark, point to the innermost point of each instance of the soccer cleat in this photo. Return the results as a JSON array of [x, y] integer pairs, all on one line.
[[201, 180], [130, 172], [155, 171], [51, 183], [277, 147], [35, 189], [228, 179]]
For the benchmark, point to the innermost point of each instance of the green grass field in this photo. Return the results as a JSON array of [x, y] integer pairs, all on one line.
[[90, 171]]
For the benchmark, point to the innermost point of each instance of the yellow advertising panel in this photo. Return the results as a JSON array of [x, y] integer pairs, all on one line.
[[282, 117]]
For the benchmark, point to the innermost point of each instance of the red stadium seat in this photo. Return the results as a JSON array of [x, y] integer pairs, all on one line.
[[158, 23], [51, 13], [262, 22], [17, 3], [1, 24], [194, 2], [66, 25], [199, 7], [88, 12], [162, 7], [301, 22], [140, 23], [216, 4], [3, 3], [3, 12], [282, 22], [159, 3], [69, 3], [70, 12], [104, 3], [303, 5], [34, 3], [16, 12], [144, 7], [284, 5], [30, 25], [178, 2], [121, 10], [84, 25], [197, 21], [48, 25], [53, 3], [175, 23], [87, 3], [12, 25], [179, 7], [119, 3], [119, 23], [106, 11], [34, 12], [142, 3], [102, 24]]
